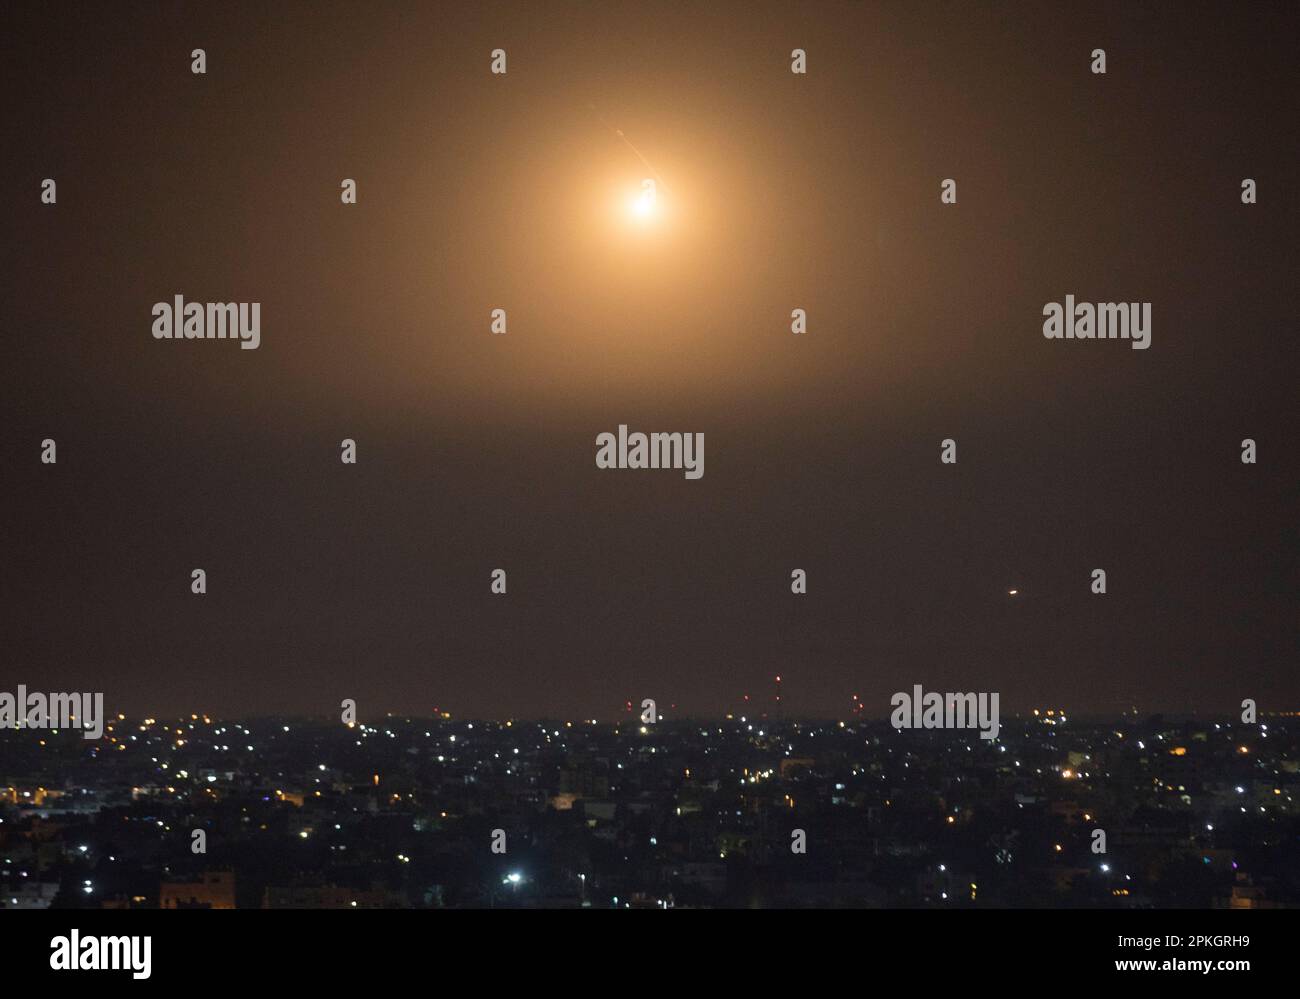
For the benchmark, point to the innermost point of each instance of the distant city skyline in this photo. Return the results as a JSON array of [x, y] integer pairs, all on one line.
[[1131, 813]]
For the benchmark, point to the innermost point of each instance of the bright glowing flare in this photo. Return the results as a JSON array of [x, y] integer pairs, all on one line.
[[643, 205]]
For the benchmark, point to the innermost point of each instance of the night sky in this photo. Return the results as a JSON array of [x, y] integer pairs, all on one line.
[[475, 452]]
